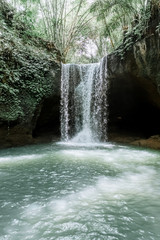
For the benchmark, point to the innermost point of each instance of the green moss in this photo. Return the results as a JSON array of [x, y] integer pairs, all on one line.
[[25, 72]]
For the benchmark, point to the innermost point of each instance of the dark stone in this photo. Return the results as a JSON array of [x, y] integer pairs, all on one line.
[[49, 118], [134, 89]]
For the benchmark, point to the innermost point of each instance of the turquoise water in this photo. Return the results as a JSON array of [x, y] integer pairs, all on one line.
[[68, 192]]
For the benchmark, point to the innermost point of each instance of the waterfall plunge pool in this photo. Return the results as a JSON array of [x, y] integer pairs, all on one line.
[[67, 192]]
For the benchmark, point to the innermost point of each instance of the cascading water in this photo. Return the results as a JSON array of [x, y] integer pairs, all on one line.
[[84, 102], [56, 192]]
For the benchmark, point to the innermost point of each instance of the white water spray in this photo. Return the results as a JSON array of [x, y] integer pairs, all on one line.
[[84, 102]]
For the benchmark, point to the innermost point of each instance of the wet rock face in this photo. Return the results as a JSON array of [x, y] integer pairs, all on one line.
[[134, 89]]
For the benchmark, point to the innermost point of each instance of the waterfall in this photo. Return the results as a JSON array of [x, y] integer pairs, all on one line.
[[84, 102]]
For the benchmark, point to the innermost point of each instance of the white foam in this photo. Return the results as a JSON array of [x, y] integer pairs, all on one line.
[[20, 158]]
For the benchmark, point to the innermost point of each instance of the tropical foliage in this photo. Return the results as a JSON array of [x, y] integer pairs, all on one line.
[[84, 30], [25, 68]]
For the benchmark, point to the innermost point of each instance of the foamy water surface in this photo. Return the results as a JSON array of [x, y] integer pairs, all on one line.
[[66, 192]]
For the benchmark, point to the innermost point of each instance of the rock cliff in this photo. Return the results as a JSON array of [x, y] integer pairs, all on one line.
[[134, 89], [29, 82]]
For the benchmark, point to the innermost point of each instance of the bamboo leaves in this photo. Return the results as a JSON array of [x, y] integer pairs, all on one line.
[[62, 22], [73, 24]]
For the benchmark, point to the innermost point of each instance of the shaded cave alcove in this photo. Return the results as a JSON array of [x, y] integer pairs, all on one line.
[[134, 107], [48, 122]]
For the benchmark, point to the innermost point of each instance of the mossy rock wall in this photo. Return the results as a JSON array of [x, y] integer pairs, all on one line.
[[134, 92], [29, 75]]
